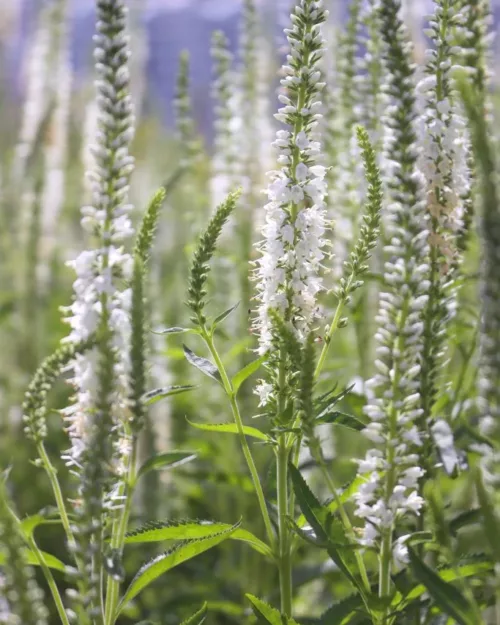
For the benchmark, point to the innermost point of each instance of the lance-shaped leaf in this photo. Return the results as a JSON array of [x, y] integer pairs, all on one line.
[[230, 428], [447, 597], [204, 365], [224, 315], [246, 372], [341, 610], [266, 615], [47, 516], [157, 394], [198, 617], [340, 418], [317, 516], [165, 461], [51, 561], [159, 565], [159, 531]]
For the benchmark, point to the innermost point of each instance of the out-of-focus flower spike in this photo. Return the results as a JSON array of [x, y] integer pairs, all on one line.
[[392, 467]]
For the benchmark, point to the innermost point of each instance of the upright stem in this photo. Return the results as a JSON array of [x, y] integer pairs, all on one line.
[[241, 434], [56, 488], [285, 563], [119, 530]]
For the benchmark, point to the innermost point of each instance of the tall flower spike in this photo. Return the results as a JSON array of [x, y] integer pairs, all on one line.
[[391, 469], [98, 420], [186, 130], [287, 272], [443, 162], [225, 158]]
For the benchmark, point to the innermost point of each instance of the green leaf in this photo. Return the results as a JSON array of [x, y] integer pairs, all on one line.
[[341, 610], [343, 498], [224, 315], [174, 331], [158, 531], [229, 428], [167, 460], [204, 365], [198, 617], [47, 516], [51, 561], [317, 516], [341, 418], [246, 372], [464, 519], [267, 615], [151, 397], [491, 522], [180, 553], [446, 596]]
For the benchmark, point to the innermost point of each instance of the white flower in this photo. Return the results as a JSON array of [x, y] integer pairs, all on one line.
[[287, 273], [101, 272]]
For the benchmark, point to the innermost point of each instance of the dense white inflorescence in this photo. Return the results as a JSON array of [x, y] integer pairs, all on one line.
[[101, 303], [288, 270], [392, 469]]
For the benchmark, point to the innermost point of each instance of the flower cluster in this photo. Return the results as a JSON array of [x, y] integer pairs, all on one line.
[[287, 272], [392, 470], [101, 305], [444, 165]]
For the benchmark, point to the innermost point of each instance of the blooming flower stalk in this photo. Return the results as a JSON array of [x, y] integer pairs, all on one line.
[[287, 272], [97, 422], [392, 469], [444, 165]]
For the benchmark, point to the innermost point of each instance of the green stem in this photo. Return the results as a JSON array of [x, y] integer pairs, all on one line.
[[285, 561], [328, 339], [346, 522], [50, 581], [56, 488], [118, 532], [239, 425]]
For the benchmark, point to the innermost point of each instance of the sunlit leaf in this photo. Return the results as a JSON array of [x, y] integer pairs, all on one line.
[[229, 428], [246, 372], [159, 565], [158, 531]]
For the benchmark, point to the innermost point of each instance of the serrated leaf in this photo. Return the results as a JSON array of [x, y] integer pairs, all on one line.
[[317, 516], [224, 315], [198, 617], [341, 418], [159, 565], [266, 615], [246, 372], [157, 394], [204, 365], [192, 530], [166, 461], [229, 428], [51, 561], [341, 610], [446, 596]]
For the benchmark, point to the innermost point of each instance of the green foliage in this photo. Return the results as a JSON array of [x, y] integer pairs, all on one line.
[[159, 565]]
